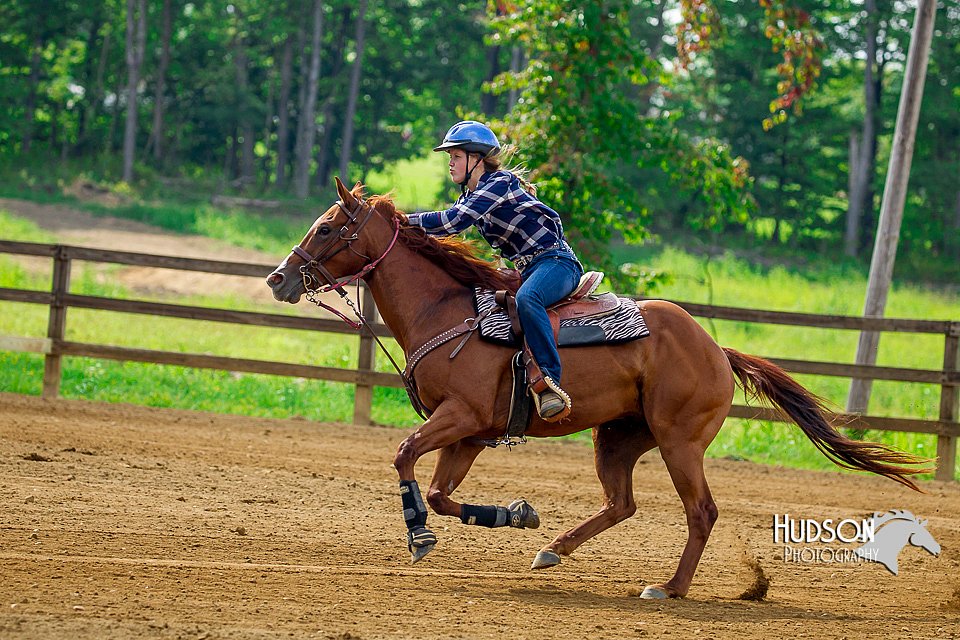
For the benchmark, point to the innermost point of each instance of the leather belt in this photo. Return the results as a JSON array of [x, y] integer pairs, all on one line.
[[522, 262]]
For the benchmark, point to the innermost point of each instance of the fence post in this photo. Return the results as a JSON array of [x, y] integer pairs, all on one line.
[[949, 405], [363, 395], [56, 325]]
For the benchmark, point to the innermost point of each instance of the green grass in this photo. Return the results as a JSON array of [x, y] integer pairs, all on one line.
[[414, 184], [817, 287]]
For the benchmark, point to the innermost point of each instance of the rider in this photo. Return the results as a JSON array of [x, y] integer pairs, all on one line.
[[508, 215]]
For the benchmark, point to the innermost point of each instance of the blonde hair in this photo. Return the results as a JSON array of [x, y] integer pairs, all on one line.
[[506, 153]]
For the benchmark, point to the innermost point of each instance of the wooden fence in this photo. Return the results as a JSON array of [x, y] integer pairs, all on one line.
[[54, 347]]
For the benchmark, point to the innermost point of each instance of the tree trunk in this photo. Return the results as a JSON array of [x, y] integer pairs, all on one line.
[[953, 239], [851, 238], [89, 103], [30, 107], [347, 149], [245, 123], [324, 153], [860, 196], [894, 196], [267, 129], [136, 40], [96, 95], [488, 100], [156, 135], [308, 126], [283, 112], [868, 222], [114, 118]]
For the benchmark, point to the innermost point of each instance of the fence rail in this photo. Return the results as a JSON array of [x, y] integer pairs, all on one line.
[[55, 346]]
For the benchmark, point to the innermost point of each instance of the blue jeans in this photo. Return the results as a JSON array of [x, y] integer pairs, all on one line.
[[551, 277]]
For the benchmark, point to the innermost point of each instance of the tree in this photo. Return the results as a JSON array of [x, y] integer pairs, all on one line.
[[863, 156], [894, 195], [136, 41], [583, 135], [159, 97], [308, 127], [355, 71]]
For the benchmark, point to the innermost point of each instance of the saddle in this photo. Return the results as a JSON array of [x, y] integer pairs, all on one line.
[[579, 304], [580, 319]]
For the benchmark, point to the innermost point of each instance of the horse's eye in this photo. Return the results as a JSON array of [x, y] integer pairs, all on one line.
[[324, 230]]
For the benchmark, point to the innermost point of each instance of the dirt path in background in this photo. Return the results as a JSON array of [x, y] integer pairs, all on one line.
[[72, 226], [130, 522]]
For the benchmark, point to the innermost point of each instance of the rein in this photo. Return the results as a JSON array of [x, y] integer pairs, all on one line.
[[313, 265], [312, 283], [315, 287]]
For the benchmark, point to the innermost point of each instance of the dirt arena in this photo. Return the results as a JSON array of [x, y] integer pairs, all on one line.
[[129, 522]]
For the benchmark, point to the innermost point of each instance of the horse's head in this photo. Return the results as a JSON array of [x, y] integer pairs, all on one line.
[[922, 538], [332, 252]]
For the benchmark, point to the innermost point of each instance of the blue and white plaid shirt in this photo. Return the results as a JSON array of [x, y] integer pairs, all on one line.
[[510, 219]]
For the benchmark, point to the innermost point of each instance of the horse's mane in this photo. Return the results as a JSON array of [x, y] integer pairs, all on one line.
[[455, 256]]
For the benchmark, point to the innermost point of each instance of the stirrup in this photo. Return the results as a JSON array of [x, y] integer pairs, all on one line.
[[560, 393]]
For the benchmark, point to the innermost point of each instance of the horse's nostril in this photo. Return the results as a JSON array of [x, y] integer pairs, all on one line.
[[274, 279]]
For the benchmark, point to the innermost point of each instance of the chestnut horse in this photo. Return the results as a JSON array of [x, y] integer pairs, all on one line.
[[672, 389]]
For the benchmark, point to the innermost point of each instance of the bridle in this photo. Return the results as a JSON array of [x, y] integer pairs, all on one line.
[[313, 270], [313, 266]]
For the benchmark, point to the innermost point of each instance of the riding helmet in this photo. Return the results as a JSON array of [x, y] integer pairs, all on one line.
[[472, 137]]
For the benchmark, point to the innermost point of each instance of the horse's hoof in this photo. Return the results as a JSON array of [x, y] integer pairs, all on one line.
[[545, 559], [416, 553], [654, 593], [522, 515]]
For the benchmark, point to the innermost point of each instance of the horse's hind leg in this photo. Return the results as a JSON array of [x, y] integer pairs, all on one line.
[[685, 464], [453, 463], [617, 447]]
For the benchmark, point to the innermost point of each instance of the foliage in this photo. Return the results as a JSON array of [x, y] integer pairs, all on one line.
[[635, 116], [582, 135]]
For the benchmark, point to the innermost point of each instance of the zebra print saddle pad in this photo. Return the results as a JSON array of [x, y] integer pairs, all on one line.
[[618, 325]]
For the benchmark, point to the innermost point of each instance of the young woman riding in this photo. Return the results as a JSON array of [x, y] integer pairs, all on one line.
[[524, 230]]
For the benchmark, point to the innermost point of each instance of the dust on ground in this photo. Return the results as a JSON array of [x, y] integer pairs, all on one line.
[[132, 522]]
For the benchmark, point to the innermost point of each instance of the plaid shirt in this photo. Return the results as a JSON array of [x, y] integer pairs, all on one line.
[[510, 219]]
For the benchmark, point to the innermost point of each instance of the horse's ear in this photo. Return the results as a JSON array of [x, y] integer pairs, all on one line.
[[357, 189], [924, 523], [342, 191]]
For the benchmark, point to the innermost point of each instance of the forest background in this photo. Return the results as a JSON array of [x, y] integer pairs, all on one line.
[[271, 99], [739, 147]]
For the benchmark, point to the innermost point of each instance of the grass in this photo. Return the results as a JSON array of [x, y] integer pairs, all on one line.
[[820, 287], [414, 184]]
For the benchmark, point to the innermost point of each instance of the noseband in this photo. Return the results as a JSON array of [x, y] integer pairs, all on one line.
[[344, 239], [348, 234]]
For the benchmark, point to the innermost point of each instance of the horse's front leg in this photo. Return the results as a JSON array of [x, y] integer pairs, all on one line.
[[453, 463], [451, 422]]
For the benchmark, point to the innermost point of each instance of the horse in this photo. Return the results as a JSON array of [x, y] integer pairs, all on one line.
[[671, 390], [892, 532]]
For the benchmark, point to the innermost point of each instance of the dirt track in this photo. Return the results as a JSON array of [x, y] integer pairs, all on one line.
[[128, 522]]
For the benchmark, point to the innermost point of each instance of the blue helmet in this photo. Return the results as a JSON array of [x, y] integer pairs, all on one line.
[[472, 137]]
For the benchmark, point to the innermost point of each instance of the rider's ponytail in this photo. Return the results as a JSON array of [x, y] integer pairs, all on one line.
[[496, 162]]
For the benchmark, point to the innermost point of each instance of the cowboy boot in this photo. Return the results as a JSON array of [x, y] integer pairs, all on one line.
[[552, 403], [549, 404]]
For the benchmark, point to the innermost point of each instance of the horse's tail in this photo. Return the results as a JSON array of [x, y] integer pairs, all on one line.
[[760, 378]]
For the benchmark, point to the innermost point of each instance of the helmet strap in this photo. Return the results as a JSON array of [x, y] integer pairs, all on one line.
[[469, 174]]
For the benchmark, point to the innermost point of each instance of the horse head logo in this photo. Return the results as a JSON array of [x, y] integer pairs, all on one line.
[[892, 531]]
